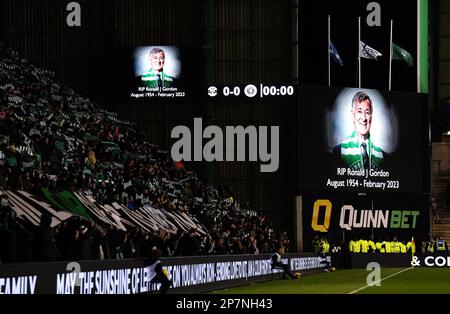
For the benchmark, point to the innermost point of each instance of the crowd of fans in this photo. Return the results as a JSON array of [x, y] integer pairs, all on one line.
[[51, 137]]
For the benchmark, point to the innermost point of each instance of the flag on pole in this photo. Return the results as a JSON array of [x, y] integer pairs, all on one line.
[[335, 55], [398, 53], [368, 52]]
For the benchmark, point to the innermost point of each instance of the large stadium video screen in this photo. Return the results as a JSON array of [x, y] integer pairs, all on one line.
[[362, 140], [149, 74]]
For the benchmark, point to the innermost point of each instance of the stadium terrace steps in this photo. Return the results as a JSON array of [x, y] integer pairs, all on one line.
[[444, 216], [439, 188], [443, 229], [444, 221]]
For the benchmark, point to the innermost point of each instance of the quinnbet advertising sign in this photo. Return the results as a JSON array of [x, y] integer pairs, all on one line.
[[351, 218], [381, 217]]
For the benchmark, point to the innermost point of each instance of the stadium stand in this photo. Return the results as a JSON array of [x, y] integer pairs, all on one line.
[[441, 189], [79, 183]]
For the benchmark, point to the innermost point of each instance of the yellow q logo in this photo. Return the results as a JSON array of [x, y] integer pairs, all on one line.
[[315, 217]]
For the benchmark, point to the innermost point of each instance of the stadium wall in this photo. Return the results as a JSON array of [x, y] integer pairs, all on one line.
[[444, 53], [252, 43]]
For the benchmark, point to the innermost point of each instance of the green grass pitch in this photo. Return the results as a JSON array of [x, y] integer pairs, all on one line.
[[416, 280]]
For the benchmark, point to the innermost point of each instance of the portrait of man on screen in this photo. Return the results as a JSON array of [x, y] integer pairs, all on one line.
[[156, 76], [358, 151]]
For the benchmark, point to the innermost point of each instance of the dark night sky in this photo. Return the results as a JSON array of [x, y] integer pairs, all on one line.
[[344, 33]]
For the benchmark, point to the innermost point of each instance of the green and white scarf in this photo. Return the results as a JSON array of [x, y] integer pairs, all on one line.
[[351, 153]]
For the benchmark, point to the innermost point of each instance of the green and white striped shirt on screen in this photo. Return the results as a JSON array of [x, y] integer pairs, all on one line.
[[351, 153], [150, 79]]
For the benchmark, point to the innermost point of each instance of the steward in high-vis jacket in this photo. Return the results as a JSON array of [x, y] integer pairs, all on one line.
[[364, 246], [351, 246], [380, 247], [441, 246], [431, 246], [324, 246], [411, 246], [372, 247]]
